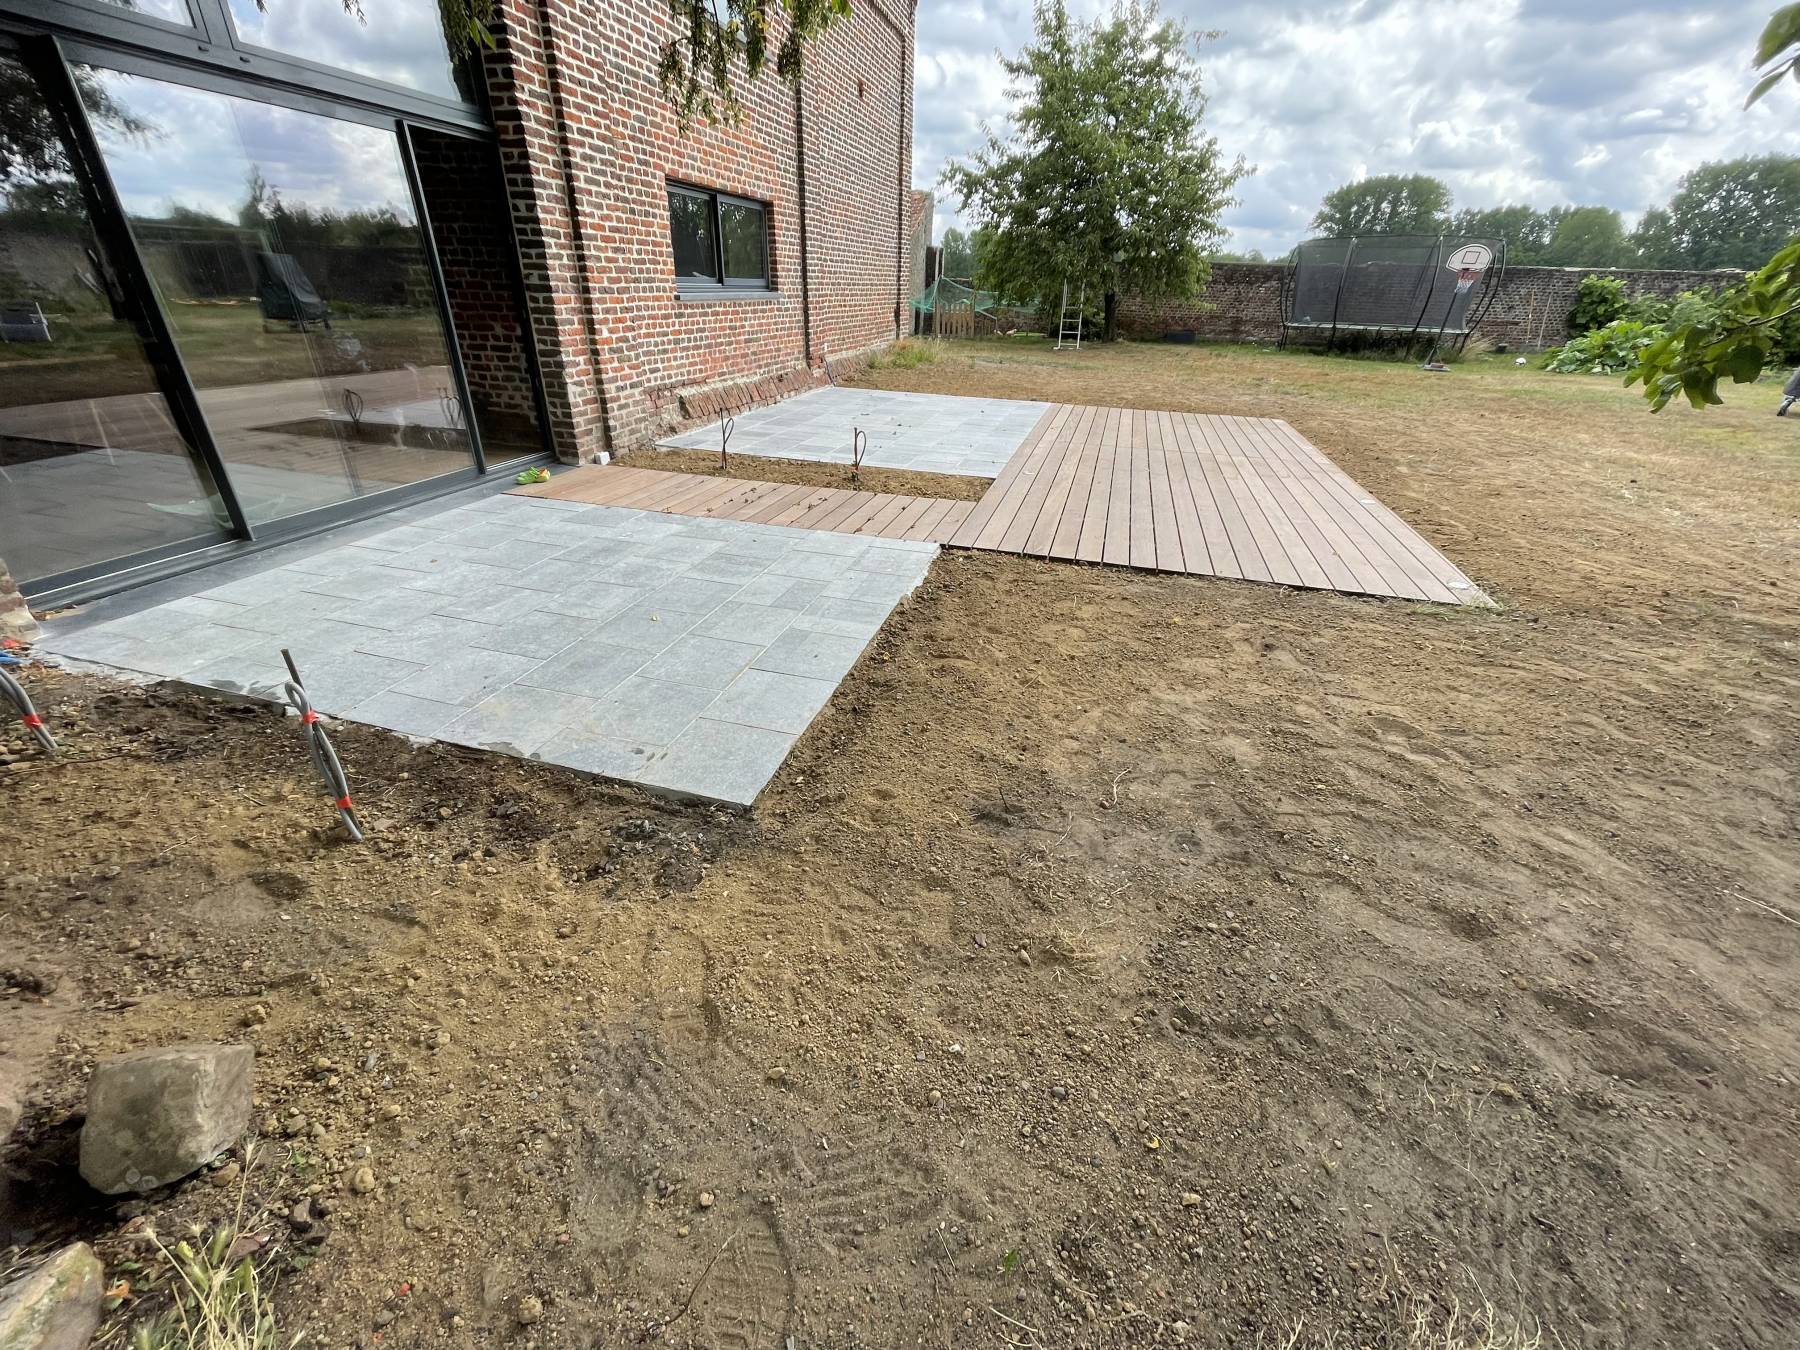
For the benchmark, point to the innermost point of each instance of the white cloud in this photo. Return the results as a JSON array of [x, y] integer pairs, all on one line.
[[1605, 102]]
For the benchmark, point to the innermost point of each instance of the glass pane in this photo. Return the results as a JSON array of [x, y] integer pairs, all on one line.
[[91, 466], [175, 11], [400, 41], [746, 256], [288, 258], [691, 233], [467, 206]]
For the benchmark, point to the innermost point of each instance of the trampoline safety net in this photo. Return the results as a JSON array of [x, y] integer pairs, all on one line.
[[1393, 284]]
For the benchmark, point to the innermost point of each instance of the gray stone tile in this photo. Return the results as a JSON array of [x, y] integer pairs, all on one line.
[[255, 590], [645, 626], [574, 748], [592, 600], [235, 675], [467, 676], [718, 761], [815, 566], [339, 561], [771, 700], [427, 641], [695, 595], [516, 720], [494, 604], [538, 633], [466, 578], [739, 622], [643, 712], [287, 613], [891, 562], [600, 553], [843, 616], [637, 571], [819, 656], [178, 653], [364, 583], [728, 567], [337, 682], [306, 641], [400, 539], [516, 553], [781, 592], [404, 713], [711, 663], [590, 668], [558, 575]]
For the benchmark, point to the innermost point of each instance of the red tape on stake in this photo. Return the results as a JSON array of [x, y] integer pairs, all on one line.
[[33, 720], [343, 803], [308, 717]]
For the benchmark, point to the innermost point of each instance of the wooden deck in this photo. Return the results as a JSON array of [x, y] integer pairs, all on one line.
[[1241, 497], [883, 515], [1193, 493]]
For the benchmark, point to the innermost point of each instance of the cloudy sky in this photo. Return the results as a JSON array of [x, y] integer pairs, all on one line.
[[1543, 101]]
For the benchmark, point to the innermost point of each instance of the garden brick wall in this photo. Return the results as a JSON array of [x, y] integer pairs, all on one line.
[[588, 144], [1242, 303]]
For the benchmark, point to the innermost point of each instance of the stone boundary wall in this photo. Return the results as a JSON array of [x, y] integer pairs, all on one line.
[[1242, 303]]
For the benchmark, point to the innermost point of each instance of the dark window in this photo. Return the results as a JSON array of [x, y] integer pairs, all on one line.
[[746, 243], [691, 231], [720, 242]]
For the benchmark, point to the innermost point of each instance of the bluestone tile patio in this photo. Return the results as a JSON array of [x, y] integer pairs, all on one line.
[[684, 655], [928, 433]]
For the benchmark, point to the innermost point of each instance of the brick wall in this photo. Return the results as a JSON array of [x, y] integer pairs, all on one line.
[[15, 616], [1242, 303], [588, 144]]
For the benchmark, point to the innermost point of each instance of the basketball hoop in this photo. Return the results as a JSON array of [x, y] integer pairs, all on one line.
[[1466, 277]]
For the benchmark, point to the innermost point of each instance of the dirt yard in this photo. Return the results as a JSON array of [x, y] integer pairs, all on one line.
[[1121, 960]]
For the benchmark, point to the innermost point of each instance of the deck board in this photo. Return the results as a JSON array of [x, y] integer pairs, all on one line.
[[1204, 495], [1185, 493]]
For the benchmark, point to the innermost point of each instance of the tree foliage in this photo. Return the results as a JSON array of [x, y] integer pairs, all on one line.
[[959, 254], [1745, 331], [697, 70], [1734, 213], [1588, 236], [1387, 204], [1525, 229], [1105, 175]]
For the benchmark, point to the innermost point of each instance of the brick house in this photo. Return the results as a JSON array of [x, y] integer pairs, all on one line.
[[350, 266]]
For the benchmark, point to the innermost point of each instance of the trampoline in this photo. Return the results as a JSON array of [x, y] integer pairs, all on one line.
[[1390, 288]]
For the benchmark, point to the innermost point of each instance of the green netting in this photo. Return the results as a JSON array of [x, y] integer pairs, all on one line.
[[947, 292]]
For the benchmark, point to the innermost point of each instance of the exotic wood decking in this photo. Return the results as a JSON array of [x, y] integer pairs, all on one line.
[[1245, 497], [1215, 496], [882, 515]]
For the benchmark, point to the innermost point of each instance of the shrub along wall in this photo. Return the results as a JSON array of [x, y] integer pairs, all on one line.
[[1242, 303]]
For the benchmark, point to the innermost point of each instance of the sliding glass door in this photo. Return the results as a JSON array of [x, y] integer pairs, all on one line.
[[287, 253], [92, 463]]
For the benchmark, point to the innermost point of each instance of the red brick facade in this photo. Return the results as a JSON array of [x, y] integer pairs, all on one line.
[[588, 145]]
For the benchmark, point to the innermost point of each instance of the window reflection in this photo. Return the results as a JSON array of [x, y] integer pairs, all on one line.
[[286, 253], [400, 41], [92, 467]]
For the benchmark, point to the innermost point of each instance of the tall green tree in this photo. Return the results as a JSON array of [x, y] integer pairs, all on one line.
[[1105, 175], [959, 255], [1654, 243], [1588, 236], [1390, 203], [1734, 213], [1525, 229]]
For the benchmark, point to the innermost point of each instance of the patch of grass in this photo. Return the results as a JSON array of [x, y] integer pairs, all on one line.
[[906, 354]]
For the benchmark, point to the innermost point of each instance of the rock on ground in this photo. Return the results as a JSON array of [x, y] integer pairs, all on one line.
[[156, 1115], [56, 1305]]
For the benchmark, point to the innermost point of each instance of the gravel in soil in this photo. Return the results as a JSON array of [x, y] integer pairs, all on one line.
[[1120, 960]]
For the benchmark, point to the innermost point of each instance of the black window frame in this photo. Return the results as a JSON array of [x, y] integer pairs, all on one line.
[[718, 284]]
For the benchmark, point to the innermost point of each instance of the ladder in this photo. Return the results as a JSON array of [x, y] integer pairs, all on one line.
[[1068, 327]]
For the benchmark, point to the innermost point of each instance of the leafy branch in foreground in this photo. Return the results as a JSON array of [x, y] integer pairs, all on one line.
[[1778, 49], [695, 69], [1736, 339]]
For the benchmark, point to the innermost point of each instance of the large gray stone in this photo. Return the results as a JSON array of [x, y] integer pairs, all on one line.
[[56, 1304], [156, 1115]]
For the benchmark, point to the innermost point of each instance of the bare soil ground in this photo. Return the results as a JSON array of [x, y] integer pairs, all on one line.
[[1120, 960], [813, 473]]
